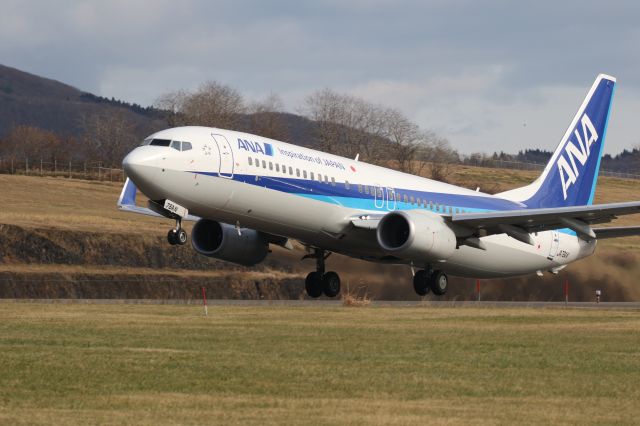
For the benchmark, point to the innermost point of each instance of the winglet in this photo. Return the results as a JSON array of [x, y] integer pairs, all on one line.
[[128, 194]]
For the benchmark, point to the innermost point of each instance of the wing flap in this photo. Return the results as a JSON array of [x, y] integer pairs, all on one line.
[[617, 232]]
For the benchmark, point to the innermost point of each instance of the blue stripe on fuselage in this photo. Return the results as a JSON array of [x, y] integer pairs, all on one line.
[[338, 194]]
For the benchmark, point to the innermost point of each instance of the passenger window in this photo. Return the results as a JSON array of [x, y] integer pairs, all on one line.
[[418, 201], [360, 188], [413, 200], [346, 185], [186, 146], [298, 172], [175, 145], [366, 189], [406, 198], [264, 164], [250, 161], [284, 169], [270, 165], [312, 176], [326, 179], [257, 162], [291, 170], [277, 167], [304, 174]]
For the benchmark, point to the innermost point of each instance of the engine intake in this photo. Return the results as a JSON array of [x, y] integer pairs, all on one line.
[[221, 241], [416, 235]]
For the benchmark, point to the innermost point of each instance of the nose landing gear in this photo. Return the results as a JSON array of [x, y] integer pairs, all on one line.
[[177, 236], [318, 282]]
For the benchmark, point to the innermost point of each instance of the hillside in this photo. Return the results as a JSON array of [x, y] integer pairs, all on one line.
[[67, 239], [27, 99]]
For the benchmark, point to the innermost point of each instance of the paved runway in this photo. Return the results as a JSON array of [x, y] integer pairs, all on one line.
[[335, 303]]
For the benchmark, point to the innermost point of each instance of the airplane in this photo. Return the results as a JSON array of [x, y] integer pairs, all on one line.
[[246, 192]]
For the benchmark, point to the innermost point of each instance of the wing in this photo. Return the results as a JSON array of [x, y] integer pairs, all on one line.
[[127, 203], [576, 218], [520, 223]]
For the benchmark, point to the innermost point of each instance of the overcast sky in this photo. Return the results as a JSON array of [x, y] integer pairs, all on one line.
[[487, 75]]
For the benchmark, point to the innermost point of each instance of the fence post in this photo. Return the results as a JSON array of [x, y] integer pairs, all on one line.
[[40, 166], [69, 169], [11, 165], [85, 170], [99, 166], [55, 167], [26, 166]]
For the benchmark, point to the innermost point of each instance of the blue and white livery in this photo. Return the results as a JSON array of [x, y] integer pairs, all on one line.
[[247, 192]]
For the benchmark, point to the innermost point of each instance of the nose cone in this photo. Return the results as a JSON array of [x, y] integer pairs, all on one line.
[[141, 166]]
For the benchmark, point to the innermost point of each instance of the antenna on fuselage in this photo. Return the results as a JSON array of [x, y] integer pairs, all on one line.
[[357, 156]]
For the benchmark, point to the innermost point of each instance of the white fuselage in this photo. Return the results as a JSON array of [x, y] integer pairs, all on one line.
[[308, 195]]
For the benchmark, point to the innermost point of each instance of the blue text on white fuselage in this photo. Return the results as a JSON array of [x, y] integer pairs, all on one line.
[[255, 147], [569, 172]]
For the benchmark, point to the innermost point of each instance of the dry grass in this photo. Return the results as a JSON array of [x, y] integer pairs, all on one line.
[[358, 299], [132, 364]]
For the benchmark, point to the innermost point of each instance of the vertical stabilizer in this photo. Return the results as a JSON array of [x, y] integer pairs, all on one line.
[[569, 179]]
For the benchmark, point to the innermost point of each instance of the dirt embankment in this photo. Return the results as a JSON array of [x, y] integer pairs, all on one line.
[[52, 263], [59, 263]]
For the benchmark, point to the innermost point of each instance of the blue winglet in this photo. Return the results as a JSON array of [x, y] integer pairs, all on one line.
[[128, 194]]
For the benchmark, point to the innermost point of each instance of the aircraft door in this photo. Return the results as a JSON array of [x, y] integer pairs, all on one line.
[[225, 154], [555, 243], [378, 196], [391, 199]]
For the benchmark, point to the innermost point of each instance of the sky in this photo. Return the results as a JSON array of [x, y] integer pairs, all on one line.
[[487, 75]]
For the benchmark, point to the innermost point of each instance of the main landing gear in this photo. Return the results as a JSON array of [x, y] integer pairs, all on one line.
[[429, 280], [177, 235], [318, 282]]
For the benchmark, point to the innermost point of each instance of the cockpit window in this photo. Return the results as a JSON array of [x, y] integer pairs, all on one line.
[[175, 145], [160, 142], [186, 146], [146, 142]]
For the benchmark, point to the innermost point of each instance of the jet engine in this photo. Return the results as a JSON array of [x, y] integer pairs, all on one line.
[[222, 241], [416, 235]]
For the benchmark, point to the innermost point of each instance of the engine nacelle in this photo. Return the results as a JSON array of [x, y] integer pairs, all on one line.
[[416, 235], [221, 241]]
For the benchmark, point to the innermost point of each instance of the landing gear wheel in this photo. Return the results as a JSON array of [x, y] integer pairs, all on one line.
[[182, 237], [331, 284], [172, 237], [421, 282], [439, 283], [313, 284]]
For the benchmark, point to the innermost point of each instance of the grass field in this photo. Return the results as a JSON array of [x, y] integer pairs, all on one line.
[[133, 364]]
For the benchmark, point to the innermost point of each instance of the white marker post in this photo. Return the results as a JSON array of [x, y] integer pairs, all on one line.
[[204, 301]]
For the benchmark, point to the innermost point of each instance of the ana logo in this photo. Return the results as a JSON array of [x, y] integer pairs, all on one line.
[[567, 166], [256, 147]]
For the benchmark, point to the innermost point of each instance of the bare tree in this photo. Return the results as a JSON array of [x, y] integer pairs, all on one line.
[[346, 125], [34, 143], [109, 136], [266, 118], [212, 104]]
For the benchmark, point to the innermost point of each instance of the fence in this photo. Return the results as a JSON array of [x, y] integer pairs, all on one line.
[[66, 169], [96, 171], [518, 165]]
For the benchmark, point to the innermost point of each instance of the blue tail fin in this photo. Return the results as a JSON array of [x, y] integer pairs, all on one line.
[[569, 179]]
